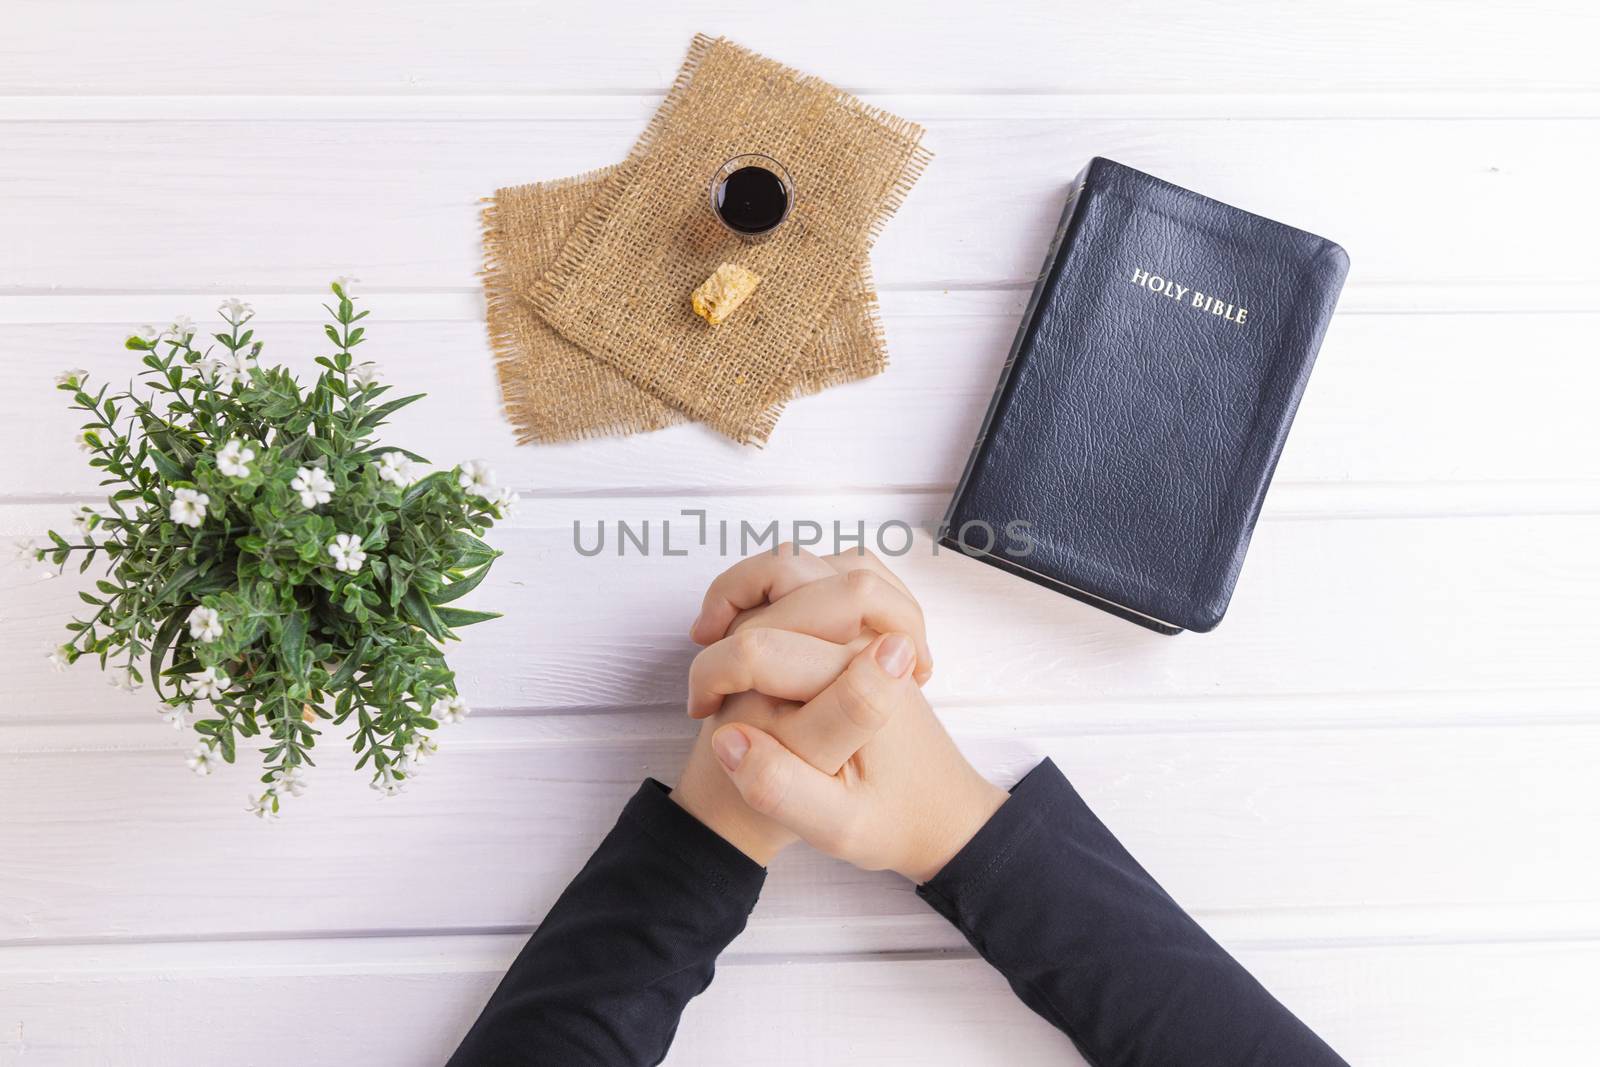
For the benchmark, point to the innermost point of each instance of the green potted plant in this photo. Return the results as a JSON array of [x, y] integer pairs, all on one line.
[[270, 568]]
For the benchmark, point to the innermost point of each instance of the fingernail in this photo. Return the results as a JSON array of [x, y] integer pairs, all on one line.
[[894, 655], [730, 745]]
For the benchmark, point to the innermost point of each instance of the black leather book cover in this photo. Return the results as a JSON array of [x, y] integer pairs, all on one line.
[[1147, 397]]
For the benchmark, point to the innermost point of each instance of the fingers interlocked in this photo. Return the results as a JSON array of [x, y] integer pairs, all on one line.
[[838, 599], [791, 773], [847, 689]]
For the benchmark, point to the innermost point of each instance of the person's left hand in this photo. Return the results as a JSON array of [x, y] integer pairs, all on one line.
[[808, 669], [843, 714]]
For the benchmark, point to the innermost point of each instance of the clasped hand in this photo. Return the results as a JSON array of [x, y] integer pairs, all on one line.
[[816, 728]]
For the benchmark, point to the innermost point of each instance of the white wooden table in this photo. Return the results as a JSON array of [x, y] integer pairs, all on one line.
[[1376, 783]]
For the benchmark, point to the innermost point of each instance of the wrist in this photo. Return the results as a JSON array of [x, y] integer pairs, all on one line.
[[707, 793], [951, 826]]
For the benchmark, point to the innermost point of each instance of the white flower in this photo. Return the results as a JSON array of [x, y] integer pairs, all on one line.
[[234, 459], [121, 678], [205, 624], [451, 709], [148, 334], [189, 507], [477, 479], [209, 684], [80, 520], [313, 485], [347, 553], [345, 281], [228, 369], [420, 750], [74, 377], [290, 780], [203, 760], [173, 715], [235, 310], [505, 502], [260, 806], [365, 374], [26, 549], [182, 327], [87, 440], [59, 658], [397, 469], [386, 783]]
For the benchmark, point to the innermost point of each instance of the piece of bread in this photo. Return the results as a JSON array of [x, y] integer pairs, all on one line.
[[721, 294]]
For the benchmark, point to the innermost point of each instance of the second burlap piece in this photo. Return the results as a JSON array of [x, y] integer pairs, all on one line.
[[553, 389], [620, 285]]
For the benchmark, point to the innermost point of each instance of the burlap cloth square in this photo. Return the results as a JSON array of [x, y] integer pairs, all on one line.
[[620, 285], [553, 389]]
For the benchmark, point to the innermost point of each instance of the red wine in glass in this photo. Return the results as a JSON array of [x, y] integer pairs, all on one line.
[[752, 195]]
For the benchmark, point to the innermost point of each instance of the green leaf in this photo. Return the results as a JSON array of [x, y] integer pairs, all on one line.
[[472, 551], [158, 649], [347, 670], [292, 642], [458, 589], [169, 470], [413, 494], [454, 617], [422, 613], [183, 577], [376, 416]]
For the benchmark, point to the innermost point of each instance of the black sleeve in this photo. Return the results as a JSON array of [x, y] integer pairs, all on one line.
[[1091, 942], [634, 937]]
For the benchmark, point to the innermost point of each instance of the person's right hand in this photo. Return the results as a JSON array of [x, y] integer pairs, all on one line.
[[906, 800]]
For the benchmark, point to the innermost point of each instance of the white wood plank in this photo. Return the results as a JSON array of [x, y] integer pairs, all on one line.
[[184, 207], [1275, 834], [483, 46], [63, 305], [914, 425], [371, 1005], [1198, 103], [1323, 606], [394, 1002]]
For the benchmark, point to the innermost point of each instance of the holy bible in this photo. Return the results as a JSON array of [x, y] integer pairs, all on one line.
[[1147, 397]]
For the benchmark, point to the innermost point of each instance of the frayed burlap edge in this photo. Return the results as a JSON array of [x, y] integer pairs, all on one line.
[[503, 301]]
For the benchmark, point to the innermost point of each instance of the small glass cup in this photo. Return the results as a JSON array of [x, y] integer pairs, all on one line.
[[751, 195]]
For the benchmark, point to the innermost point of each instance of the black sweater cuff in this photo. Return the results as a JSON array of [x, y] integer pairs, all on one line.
[[986, 859], [692, 843]]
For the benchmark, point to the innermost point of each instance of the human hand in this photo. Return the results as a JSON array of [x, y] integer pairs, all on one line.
[[763, 675], [838, 720], [906, 799], [832, 598]]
